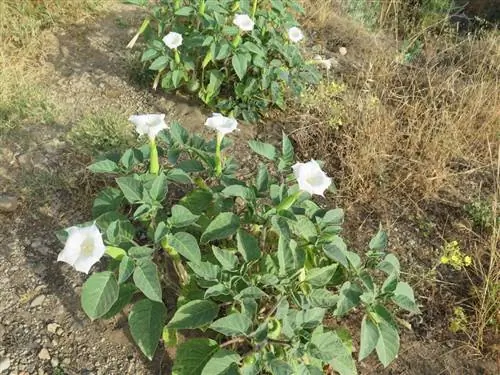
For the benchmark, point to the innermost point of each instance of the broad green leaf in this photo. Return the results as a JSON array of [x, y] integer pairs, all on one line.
[[404, 297], [319, 277], [250, 292], [140, 252], [240, 64], [131, 188], [336, 250], [125, 269], [390, 283], [125, 295], [369, 338], [146, 321], [280, 367], [115, 252], [217, 290], [197, 201], [305, 228], [235, 324], [104, 166], [323, 298], [333, 217], [120, 231], [222, 361], [179, 176], [109, 199], [263, 149], [248, 245], [388, 343], [238, 191], [184, 11], [223, 226], [159, 187], [161, 232], [249, 307], [205, 270], [178, 133], [379, 242], [194, 314], [186, 245], [146, 279], [181, 216], [226, 258], [159, 63], [177, 77], [287, 150], [330, 348], [389, 265], [348, 298], [99, 293], [262, 178], [302, 369], [192, 356], [310, 318]]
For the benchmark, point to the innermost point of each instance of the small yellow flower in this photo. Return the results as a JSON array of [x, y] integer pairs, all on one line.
[[444, 260], [467, 260]]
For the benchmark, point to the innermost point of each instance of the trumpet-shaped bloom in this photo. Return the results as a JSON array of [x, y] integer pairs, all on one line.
[[244, 22], [222, 124], [173, 40], [149, 124], [311, 177], [84, 247], [295, 34]]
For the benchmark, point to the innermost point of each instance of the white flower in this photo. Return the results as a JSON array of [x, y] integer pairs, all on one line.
[[295, 34], [343, 51], [222, 124], [244, 22], [172, 40], [148, 124], [311, 177], [84, 247]]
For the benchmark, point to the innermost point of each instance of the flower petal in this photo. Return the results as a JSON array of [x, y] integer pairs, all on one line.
[[71, 250]]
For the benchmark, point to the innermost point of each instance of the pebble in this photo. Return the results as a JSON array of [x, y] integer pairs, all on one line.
[[53, 327], [4, 364], [44, 354], [54, 362], [8, 203], [38, 300]]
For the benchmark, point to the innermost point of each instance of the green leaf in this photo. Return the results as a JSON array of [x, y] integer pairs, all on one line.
[[179, 176], [146, 279], [389, 265], [333, 217], [181, 216], [178, 133], [319, 277], [216, 290], [104, 166], [146, 321], [323, 298], [226, 258], [404, 297], [99, 293], [131, 188], [125, 269], [305, 228], [223, 226], [184, 11], [250, 292], [287, 150], [336, 250], [369, 338], [263, 149], [262, 178], [161, 232], [310, 318], [177, 77], [232, 325], [280, 367], [192, 356], [205, 270], [388, 343], [240, 64], [330, 348], [379, 242], [109, 199], [248, 245], [221, 362], [238, 191], [124, 297], [186, 245], [159, 187], [197, 201], [194, 314], [115, 252], [348, 298], [159, 63], [140, 252], [390, 283]]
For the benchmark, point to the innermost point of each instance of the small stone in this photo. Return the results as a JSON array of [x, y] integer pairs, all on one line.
[[4, 364], [66, 361], [8, 203], [53, 327], [54, 362], [38, 300], [44, 355]]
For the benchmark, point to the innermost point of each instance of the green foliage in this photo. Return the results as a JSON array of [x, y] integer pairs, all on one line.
[[236, 72], [259, 265]]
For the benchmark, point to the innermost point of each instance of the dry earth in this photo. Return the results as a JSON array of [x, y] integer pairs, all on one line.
[[42, 328]]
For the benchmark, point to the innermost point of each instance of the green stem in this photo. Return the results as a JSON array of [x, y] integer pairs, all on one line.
[[218, 156], [288, 201], [154, 165], [254, 8], [201, 8]]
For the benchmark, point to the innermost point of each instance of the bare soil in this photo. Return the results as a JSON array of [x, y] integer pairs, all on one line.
[[42, 327]]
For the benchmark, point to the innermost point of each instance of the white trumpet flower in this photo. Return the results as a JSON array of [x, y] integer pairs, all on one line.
[[311, 177], [244, 22], [149, 124], [295, 34], [173, 40], [222, 124]]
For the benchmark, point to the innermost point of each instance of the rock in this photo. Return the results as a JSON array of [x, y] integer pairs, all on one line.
[[54, 362], [8, 203], [44, 355], [4, 364], [53, 327], [38, 300]]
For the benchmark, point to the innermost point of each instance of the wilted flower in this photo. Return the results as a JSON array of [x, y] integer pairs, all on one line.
[[149, 124], [222, 124], [84, 247], [173, 40], [343, 51], [244, 22], [311, 177], [295, 34]]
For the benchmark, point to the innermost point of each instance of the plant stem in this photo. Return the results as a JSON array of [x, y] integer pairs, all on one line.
[[218, 155], [154, 166], [254, 8], [236, 340], [288, 201]]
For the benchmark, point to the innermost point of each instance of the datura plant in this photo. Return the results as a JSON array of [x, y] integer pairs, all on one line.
[[252, 266], [239, 57]]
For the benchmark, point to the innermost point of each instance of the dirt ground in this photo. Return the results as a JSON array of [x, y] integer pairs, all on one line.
[[42, 327]]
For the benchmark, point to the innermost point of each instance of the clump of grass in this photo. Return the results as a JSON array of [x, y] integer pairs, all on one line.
[[102, 132]]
